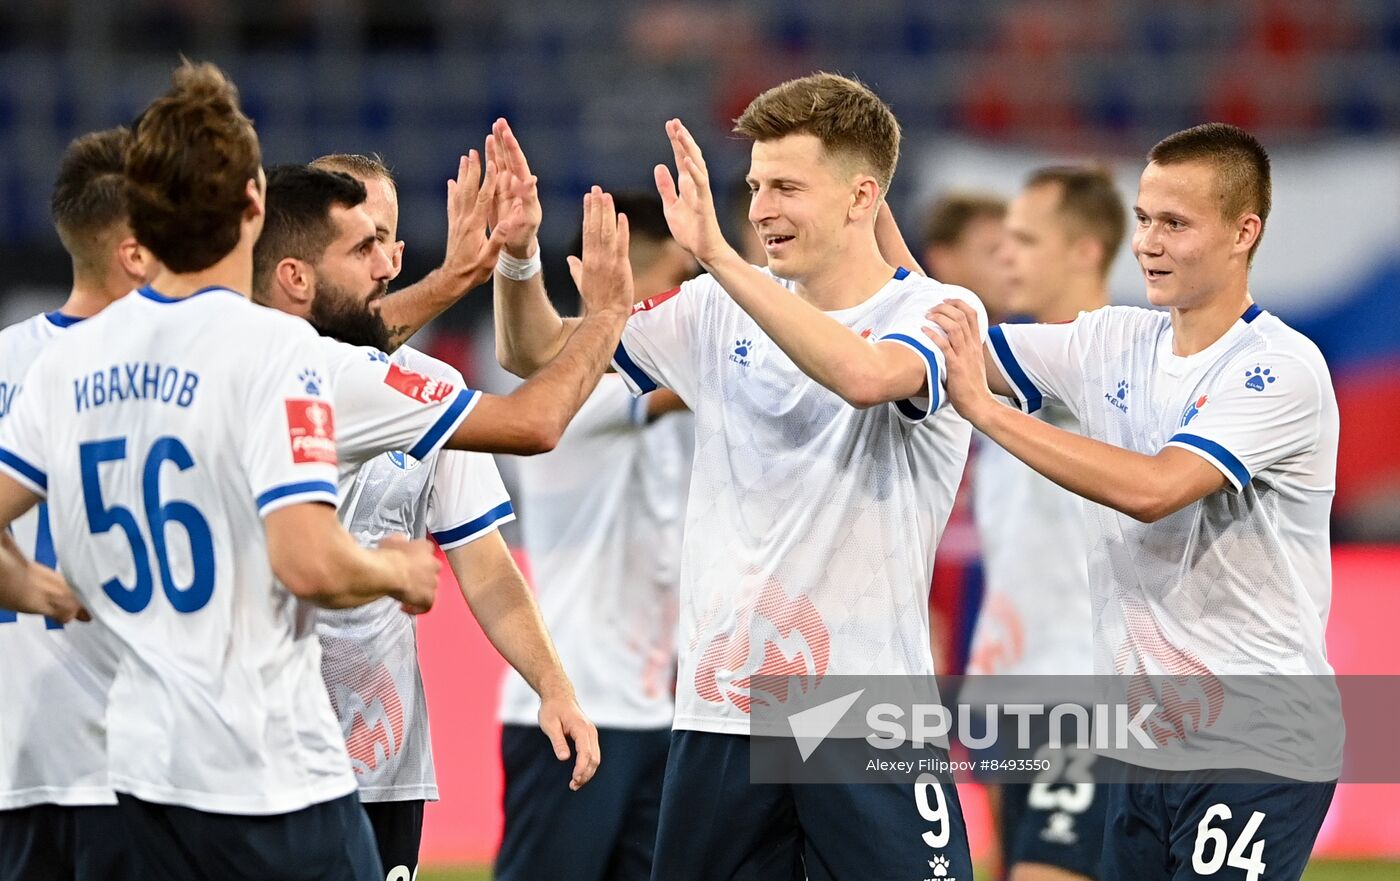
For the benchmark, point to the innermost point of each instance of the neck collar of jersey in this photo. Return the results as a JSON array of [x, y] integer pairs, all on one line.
[[154, 295], [1251, 313], [58, 319]]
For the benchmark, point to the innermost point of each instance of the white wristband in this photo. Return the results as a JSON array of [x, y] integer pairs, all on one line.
[[516, 269]]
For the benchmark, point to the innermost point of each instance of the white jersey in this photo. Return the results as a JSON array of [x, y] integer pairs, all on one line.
[[1237, 583], [369, 654], [162, 432], [1036, 618], [811, 524], [53, 678], [602, 526]]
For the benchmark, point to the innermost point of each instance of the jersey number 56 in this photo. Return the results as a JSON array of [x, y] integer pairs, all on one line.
[[102, 518]]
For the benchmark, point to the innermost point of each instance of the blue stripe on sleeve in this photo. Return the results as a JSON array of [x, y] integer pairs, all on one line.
[[906, 406], [1024, 387], [25, 470], [451, 417], [638, 376], [473, 528], [313, 488], [1216, 452]]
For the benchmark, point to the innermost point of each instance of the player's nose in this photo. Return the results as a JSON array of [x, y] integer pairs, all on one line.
[[382, 265]]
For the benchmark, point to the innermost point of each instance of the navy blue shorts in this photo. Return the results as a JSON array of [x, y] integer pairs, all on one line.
[[56, 843], [715, 824], [398, 831], [1221, 831], [1057, 820], [604, 832], [331, 841]]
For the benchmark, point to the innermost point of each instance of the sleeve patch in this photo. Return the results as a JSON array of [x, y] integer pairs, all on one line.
[[311, 431], [423, 389]]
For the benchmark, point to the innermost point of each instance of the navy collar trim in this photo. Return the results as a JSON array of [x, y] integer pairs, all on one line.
[[901, 274], [152, 294], [1251, 313], [58, 319]]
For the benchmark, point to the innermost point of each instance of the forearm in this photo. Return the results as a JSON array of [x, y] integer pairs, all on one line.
[[506, 610], [820, 346], [891, 241], [557, 390], [1142, 486], [529, 331], [406, 311], [16, 590]]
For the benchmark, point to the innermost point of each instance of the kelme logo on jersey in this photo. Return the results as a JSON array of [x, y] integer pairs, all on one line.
[[1119, 396], [742, 349], [1257, 378], [416, 385], [783, 637], [311, 381], [1192, 409], [311, 431]]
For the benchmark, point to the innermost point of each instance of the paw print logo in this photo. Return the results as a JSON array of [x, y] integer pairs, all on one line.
[[1122, 389], [741, 347], [1256, 379], [312, 381], [939, 864]]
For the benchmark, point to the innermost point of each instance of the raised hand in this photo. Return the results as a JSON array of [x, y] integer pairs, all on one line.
[[516, 191], [420, 571], [471, 253], [687, 199], [604, 275]]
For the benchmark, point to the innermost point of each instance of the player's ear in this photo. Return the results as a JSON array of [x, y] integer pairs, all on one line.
[[1248, 229], [256, 197], [296, 280], [865, 199], [135, 260], [396, 259]]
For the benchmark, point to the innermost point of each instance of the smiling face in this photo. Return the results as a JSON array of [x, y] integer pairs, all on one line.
[[805, 203], [1187, 249], [352, 275]]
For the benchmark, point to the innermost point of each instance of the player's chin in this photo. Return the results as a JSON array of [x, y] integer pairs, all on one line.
[[1162, 295]]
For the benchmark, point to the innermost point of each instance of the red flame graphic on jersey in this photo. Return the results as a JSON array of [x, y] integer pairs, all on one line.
[[1188, 695], [778, 636], [365, 694]]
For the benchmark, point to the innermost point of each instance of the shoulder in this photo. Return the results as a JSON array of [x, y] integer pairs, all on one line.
[[1276, 350], [411, 359]]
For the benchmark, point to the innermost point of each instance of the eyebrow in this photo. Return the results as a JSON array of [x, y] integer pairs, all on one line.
[[367, 240]]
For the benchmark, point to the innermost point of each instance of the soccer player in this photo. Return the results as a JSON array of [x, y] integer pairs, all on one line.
[[962, 245], [602, 526], [184, 440], [57, 809], [1210, 454], [1062, 232], [825, 466], [471, 254], [369, 654]]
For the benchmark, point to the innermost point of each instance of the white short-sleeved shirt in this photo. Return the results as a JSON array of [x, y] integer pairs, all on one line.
[[1036, 617], [53, 679], [602, 526], [1239, 582], [217, 702], [811, 524], [369, 654]]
